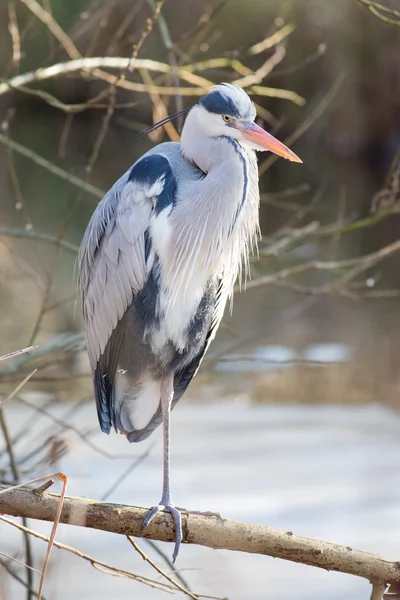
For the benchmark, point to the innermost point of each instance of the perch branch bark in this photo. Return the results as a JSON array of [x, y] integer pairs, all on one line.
[[210, 531]]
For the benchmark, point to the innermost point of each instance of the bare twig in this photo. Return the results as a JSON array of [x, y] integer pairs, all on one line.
[[168, 561], [13, 574], [355, 266], [17, 389], [264, 70], [58, 171], [14, 471], [205, 21], [44, 487], [38, 237], [381, 11], [310, 120], [17, 353], [273, 40], [92, 64], [125, 474], [55, 522], [48, 20], [121, 30], [160, 571], [160, 112], [13, 559], [15, 35], [97, 564], [320, 51], [67, 426]]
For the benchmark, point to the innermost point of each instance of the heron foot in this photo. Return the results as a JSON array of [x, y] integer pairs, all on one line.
[[176, 515]]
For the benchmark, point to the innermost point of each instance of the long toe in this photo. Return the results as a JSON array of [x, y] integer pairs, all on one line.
[[151, 514], [176, 515], [178, 528]]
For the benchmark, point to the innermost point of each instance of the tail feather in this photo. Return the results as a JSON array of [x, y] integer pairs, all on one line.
[[143, 434], [104, 400], [134, 409], [137, 406]]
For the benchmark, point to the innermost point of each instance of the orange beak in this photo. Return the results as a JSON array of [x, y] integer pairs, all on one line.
[[265, 141]]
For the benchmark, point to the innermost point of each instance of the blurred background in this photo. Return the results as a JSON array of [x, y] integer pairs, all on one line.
[[298, 397]]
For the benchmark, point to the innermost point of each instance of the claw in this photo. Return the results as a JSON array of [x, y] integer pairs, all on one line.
[[176, 515]]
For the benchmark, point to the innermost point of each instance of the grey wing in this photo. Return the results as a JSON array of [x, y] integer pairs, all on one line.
[[113, 269], [112, 264]]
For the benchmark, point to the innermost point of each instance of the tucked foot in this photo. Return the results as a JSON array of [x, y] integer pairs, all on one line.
[[175, 512]]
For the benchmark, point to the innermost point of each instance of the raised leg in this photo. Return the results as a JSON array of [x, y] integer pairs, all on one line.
[[167, 394]]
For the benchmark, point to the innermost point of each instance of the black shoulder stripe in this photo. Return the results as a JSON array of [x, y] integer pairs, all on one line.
[[152, 169]]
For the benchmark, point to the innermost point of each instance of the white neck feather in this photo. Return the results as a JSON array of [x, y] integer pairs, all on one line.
[[214, 223], [216, 229]]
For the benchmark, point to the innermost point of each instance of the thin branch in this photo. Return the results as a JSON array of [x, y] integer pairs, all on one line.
[[360, 263], [277, 93], [53, 26], [64, 345], [17, 353], [168, 561], [15, 473], [310, 120], [160, 112], [199, 30], [271, 41], [160, 571], [56, 103], [17, 389], [122, 29], [15, 35], [168, 43], [125, 474], [39, 237], [7, 567], [64, 425], [380, 11], [46, 164], [320, 51], [97, 564], [264, 70], [92, 65], [19, 562]]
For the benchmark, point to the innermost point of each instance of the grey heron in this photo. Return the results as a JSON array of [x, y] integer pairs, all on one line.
[[158, 263]]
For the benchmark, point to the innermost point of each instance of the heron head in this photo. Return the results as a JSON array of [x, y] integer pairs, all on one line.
[[228, 111]]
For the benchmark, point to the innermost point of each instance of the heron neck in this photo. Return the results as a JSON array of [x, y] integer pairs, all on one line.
[[213, 154], [225, 199], [215, 217]]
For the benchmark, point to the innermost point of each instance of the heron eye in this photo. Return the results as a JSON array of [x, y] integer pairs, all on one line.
[[226, 118]]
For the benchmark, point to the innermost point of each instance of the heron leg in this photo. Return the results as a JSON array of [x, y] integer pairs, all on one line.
[[167, 394]]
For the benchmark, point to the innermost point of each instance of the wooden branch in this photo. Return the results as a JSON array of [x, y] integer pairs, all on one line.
[[199, 85], [201, 529], [46, 164]]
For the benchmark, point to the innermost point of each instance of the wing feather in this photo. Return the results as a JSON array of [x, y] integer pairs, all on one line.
[[111, 261], [113, 268]]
